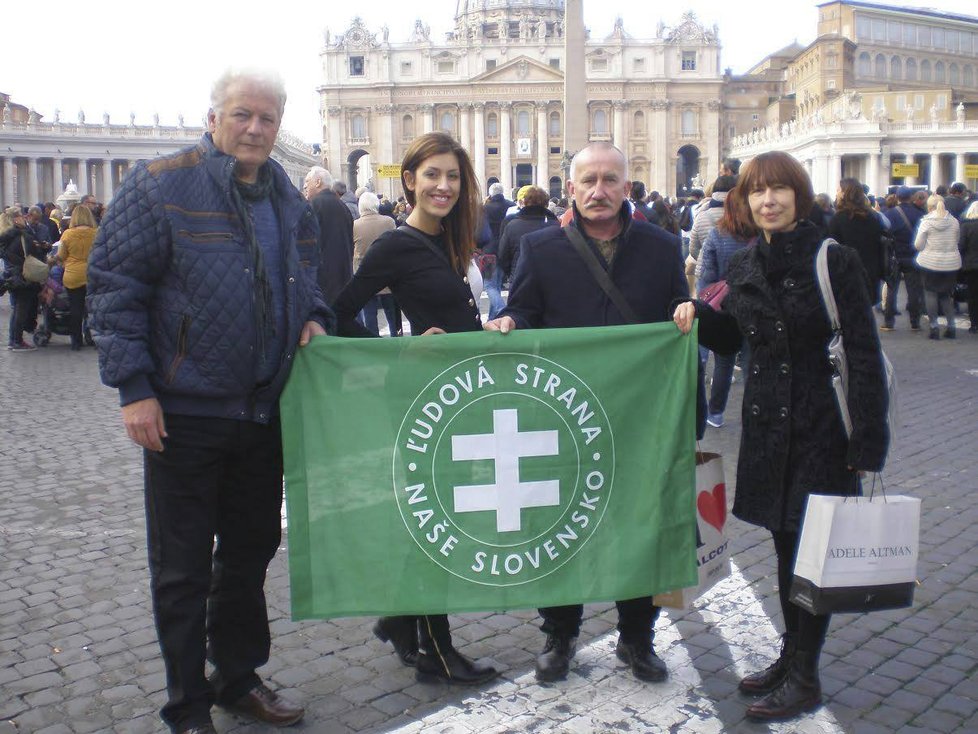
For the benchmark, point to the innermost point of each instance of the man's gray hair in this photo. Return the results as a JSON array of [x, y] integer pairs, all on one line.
[[368, 203], [266, 79], [318, 173], [599, 145], [35, 210], [496, 188]]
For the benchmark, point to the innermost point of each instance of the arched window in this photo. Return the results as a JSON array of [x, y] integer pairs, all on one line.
[[554, 124], [865, 64], [968, 77], [896, 68], [492, 125], [953, 77], [600, 122], [880, 66], [522, 122], [447, 122], [407, 126], [925, 71], [358, 127], [911, 70], [638, 123], [939, 71]]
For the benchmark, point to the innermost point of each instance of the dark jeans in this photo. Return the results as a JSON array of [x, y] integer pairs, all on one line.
[[723, 370], [915, 294], [810, 629], [223, 478], [23, 316], [636, 619], [76, 304], [368, 314], [493, 283]]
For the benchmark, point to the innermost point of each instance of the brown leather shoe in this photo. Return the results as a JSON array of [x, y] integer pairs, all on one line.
[[263, 704]]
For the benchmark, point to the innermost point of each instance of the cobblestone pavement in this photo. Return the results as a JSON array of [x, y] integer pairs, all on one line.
[[78, 649]]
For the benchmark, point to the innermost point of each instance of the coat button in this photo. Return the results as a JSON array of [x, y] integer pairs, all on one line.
[[755, 409], [783, 412], [751, 330], [785, 369], [471, 301], [465, 280], [755, 370], [789, 282], [292, 280], [778, 326]]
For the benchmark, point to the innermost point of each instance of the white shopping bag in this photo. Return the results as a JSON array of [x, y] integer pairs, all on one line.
[[712, 546], [857, 554]]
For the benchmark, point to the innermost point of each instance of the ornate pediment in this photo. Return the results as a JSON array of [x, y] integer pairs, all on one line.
[[357, 36], [691, 30], [521, 69]]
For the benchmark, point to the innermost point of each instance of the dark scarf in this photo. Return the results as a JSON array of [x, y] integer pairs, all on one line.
[[241, 193]]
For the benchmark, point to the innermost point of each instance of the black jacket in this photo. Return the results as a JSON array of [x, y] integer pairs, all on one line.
[[793, 442], [335, 243], [495, 210], [968, 244], [13, 242], [528, 219], [863, 235]]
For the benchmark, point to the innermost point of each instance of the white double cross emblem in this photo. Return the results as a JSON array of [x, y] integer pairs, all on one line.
[[508, 495]]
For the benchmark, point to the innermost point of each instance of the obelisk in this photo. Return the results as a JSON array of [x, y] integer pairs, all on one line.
[[575, 82]]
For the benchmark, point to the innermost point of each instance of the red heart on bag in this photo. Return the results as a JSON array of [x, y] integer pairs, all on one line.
[[712, 506]]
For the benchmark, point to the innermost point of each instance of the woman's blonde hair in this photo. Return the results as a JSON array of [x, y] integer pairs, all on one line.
[[81, 216], [7, 218], [936, 204], [972, 212]]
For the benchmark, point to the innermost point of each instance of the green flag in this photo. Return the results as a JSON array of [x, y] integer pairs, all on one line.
[[481, 471]]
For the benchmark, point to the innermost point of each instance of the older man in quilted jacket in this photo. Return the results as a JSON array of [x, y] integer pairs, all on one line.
[[202, 284]]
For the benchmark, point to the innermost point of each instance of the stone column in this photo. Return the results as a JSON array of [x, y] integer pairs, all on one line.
[[335, 142], [505, 148], [873, 173], [619, 125], [32, 190], [960, 160], [910, 180], [660, 171], [712, 131], [834, 175], [428, 113], [108, 185], [386, 149], [464, 122], [543, 149], [480, 145], [575, 77], [57, 182], [84, 178], [935, 171], [7, 170]]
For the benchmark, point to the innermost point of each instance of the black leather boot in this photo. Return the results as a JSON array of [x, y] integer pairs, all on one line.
[[645, 664], [553, 663], [799, 693], [759, 684], [402, 633], [445, 663]]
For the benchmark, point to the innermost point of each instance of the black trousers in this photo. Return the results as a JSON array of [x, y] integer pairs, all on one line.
[[23, 316], [222, 479], [636, 619], [971, 278], [810, 629], [76, 304]]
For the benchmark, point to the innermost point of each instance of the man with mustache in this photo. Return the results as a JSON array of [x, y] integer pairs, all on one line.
[[554, 287]]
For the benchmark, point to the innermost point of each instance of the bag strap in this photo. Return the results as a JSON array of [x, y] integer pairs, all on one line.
[[600, 274], [904, 217], [825, 283]]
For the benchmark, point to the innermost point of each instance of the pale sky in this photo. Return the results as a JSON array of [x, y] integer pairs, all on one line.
[[119, 57]]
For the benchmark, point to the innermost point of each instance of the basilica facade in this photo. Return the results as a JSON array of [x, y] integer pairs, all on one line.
[[496, 83]]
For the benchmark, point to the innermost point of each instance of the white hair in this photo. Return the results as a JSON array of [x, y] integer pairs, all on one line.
[[368, 203], [318, 173], [266, 79], [599, 145], [496, 188]]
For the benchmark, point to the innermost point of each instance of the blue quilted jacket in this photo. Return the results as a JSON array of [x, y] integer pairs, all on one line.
[[170, 288]]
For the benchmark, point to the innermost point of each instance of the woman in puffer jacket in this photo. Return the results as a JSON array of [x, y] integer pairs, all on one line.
[[968, 246], [938, 259]]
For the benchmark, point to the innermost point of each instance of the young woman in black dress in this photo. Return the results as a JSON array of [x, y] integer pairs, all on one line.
[[426, 264]]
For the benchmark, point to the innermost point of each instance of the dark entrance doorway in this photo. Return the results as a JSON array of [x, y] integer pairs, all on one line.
[[353, 167], [524, 174], [687, 167]]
